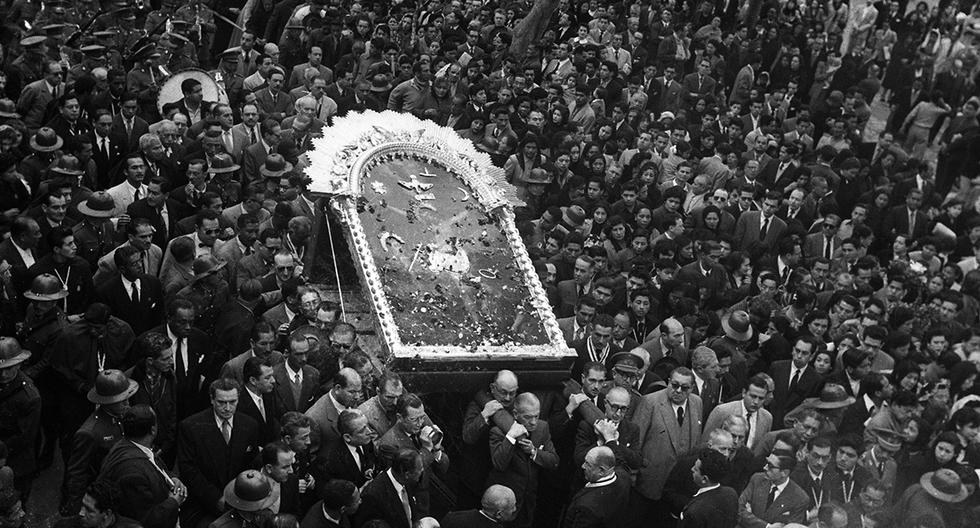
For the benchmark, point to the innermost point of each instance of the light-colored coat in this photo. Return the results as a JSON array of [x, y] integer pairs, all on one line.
[[662, 440]]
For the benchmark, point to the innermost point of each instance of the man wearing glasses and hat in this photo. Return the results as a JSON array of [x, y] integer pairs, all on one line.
[[100, 431], [36, 96], [20, 414]]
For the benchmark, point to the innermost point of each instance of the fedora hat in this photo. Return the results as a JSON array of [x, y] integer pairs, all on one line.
[[889, 439], [275, 166], [46, 287], [68, 165], [538, 175], [573, 216], [206, 265], [99, 205], [112, 386], [221, 163], [250, 491], [832, 396], [8, 109], [945, 485], [10, 353], [46, 140], [737, 325]]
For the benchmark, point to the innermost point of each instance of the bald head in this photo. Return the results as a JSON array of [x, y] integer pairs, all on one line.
[[499, 502], [526, 401], [504, 388], [600, 462], [427, 522]]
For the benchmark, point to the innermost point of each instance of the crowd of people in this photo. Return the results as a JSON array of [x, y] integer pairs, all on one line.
[[775, 313]]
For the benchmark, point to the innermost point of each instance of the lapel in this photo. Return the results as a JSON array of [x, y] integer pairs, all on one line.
[[670, 423]]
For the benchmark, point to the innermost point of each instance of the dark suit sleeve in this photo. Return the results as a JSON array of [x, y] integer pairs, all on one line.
[[581, 516], [188, 461], [78, 472], [501, 450], [138, 494]]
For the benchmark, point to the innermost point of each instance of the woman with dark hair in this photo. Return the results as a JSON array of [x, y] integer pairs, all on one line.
[[965, 424], [557, 122], [710, 220], [816, 324], [962, 378], [944, 452], [823, 362], [906, 374], [739, 268]]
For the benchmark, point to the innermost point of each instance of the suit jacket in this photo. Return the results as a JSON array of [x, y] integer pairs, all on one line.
[[662, 439], [339, 463], [626, 449], [468, 519], [118, 129], [316, 519], [749, 225], [813, 246], [207, 463], [233, 326], [269, 425], [513, 468], [743, 85], [854, 417], [768, 175], [897, 222], [252, 160], [692, 91], [18, 270], [567, 327], [145, 492], [276, 109], [785, 400], [164, 229], [325, 414], [601, 506], [817, 491], [790, 506], [309, 387], [107, 264], [716, 281], [242, 140], [717, 508], [197, 373], [141, 316], [763, 422], [106, 163], [234, 367], [582, 351], [379, 500], [709, 396]]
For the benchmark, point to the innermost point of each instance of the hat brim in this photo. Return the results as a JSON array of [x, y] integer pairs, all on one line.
[[734, 334], [16, 360], [217, 267], [67, 172], [224, 170], [240, 504], [815, 403], [99, 399], [926, 482], [88, 211], [10, 115], [40, 148], [46, 296], [276, 174]]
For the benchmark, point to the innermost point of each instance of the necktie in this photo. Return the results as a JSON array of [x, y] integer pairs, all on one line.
[[251, 136], [180, 359], [129, 128], [136, 294], [226, 430], [105, 147], [229, 142], [764, 230], [748, 429], [700, 80], [406, 504], [416, 441], [297, 387], [579, 334], [262, 408], [911, 223], [136, 195], [827, 250], [794, 381], [680, 416], [772, 496]]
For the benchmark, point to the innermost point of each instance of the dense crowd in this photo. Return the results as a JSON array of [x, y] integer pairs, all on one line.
[[775, 312]]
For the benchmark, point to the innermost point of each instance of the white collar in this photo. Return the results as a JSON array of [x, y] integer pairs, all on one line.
[[231, 421], [780, 487], [255, 397], [146, 450], [292, 373], [394, 482], [128, 284], [327, 516], [603, 481], [337, 405], [707, 489]]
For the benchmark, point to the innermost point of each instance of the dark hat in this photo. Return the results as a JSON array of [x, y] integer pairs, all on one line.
[[538, 175], [206, 265], [99, 205], [232, 54], [275, 166], [46, 287], [32, 41], [250, 491], [8, 109], [54, 28], [627, 362], [105, 34], [832, 396], [945, 485], [573, 215], [46, 140], [68, 165], [112, 386], [146, 52], [737, 326], [93, 50], [11, 353], [221, 163]]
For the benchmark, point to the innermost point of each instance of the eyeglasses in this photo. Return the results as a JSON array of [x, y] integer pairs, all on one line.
[[830, 226], [680, 386], [212, 231], [287, 268], [617, 408]]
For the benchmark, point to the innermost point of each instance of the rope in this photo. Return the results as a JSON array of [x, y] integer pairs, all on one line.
[[333, 255]]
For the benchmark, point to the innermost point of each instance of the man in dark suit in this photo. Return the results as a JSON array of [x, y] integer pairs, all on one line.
[[353, 457], [213, 447], [795, 380], [520, 453], [107, 147], [850, 477], [258, 400], [163, 213], [135, 296], [340, 500], [149, 493], [297, 382], [771, 497], [497, 507], [706, 273], [907, 219], [705, 365], [254, 156], [273, 102], [19, 250], [597, 346], [714, 505], [127, 125], [614, 431], [345, 394], [679, 488], [764, 225], [194, 360], [875, 390], [603, 500], [390, 497], [816, 474], [699, 84], [779, 173]]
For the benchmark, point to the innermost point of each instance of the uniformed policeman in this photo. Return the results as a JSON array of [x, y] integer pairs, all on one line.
[[96, 436], [145, 75], [230, 79], [200, 17], [28, 67], [20, 414], [95, 235], [208, 291], [93, 56]]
